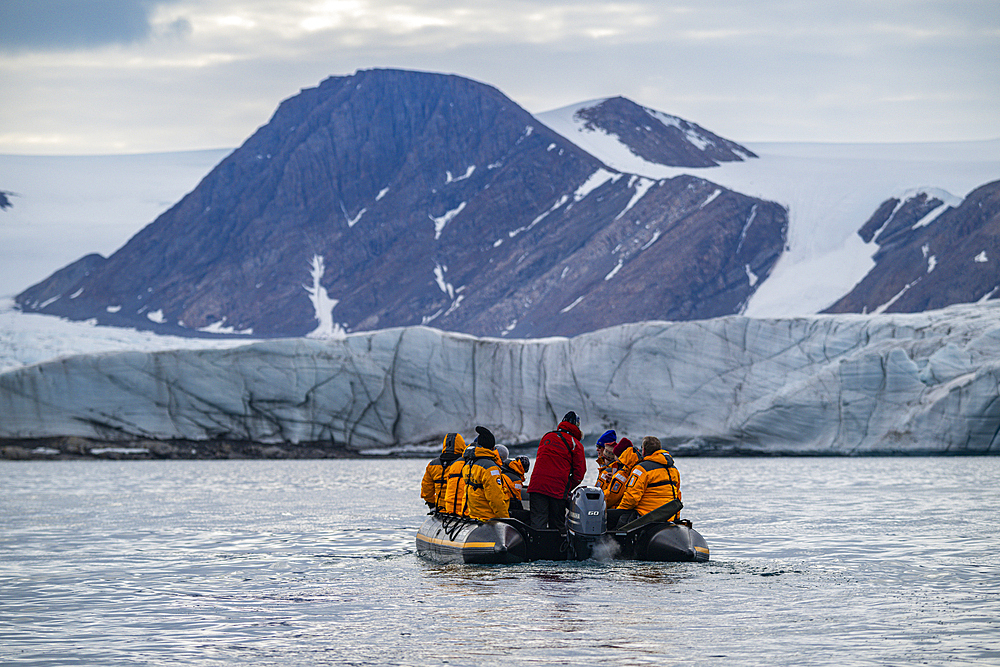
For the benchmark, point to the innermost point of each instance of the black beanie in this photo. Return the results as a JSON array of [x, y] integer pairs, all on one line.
[[485, 439], [572, 418]]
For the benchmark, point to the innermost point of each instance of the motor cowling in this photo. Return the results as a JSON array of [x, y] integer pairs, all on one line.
[[586, 520]]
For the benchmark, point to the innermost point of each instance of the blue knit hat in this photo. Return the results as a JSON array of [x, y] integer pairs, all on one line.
[[609, 438]]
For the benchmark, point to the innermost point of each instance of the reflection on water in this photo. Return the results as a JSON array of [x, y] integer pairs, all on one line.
[[818, 561]]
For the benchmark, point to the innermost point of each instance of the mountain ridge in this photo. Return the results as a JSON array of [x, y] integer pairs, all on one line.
[[372, 175], [934, 251], [650, 135], [336, 238]]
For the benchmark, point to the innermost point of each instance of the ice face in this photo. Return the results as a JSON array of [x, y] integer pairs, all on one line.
[[820, 384]]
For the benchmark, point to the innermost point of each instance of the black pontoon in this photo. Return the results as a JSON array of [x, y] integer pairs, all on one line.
[[447, 538]]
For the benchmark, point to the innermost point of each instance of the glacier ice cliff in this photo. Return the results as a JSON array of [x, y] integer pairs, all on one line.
[[826, 384]]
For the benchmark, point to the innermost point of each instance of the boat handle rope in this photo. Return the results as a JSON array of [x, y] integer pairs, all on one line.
[[452, 524]]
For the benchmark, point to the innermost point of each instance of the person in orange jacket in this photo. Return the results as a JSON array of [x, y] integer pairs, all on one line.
[[435, 481], [454, 492], [513, 478], [522, 464], [654, 481], [484, 495], [605, 457], [626, 458]]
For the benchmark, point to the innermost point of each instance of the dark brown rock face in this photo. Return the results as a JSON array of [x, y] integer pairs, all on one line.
[[926, 262], [660, 138], [687, 250], [423, 198], [60, 283]]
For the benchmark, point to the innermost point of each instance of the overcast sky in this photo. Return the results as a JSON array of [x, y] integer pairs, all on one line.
[[116, 76]]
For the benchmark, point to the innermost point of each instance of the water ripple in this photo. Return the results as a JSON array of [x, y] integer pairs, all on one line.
[[817, 561]]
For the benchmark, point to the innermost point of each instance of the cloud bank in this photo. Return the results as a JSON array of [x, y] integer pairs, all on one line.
[[65, 25], [180, 74]]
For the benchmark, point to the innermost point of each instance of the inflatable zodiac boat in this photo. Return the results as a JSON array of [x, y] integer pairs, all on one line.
[[446, 538]]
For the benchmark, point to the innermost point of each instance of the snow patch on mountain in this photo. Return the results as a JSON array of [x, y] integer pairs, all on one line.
[[441, 221], [222, 328], [514, 232], [440, 271], [596, 180], [323, 304], [885, 306], [650, 242], [642, 186], [696, 138], [711, 198], [353, 221], [454, 179], [743, 232], [573, 305], [441, 283], [605, 146], [618, 267]]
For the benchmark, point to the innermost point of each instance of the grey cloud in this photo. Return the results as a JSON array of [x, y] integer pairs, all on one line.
[[45, 25], [902, 70]]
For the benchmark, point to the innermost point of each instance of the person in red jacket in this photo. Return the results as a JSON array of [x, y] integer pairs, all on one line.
[[560, 467]]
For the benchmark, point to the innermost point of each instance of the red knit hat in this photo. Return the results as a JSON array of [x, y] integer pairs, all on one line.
[[622, 445]]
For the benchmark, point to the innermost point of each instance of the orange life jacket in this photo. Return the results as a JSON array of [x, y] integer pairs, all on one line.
[[604, 471], [484, 495], [513, 484], [453, 501], [654, 481], [435, 481], [616, 483]]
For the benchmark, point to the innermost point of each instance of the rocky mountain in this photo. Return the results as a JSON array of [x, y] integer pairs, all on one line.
[[934, 250], [394, 198], [37, 297], [651, 135]]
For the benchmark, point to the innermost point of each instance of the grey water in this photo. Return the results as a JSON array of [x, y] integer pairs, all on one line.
[[819, 561]]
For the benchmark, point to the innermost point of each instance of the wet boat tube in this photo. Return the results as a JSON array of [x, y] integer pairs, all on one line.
[[665, 542], [445, 538]]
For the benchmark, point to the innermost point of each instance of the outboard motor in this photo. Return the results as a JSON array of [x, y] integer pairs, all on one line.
[[585, 521]]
